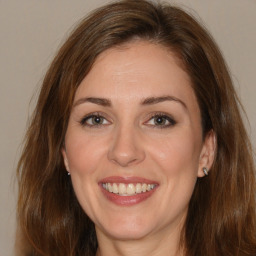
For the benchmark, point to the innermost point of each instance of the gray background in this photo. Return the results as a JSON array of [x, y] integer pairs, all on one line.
[[30, 33]]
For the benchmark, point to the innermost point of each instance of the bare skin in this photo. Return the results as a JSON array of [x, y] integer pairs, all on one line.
[[136, 117]]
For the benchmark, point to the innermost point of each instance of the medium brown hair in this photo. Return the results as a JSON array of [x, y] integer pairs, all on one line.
[[221, 215]]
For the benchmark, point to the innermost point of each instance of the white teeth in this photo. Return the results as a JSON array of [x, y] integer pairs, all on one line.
[[128, 189], [138, 188], [144, 187], [122, 189], [109, 188], [115, 188]]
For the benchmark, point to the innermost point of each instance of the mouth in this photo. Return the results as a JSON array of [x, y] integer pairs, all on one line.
[[126, 191], [129, 189]]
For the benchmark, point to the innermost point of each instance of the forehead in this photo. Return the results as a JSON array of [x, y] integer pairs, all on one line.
[[136, 70]]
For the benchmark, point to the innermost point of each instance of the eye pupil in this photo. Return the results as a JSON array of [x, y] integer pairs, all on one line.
[[160, 120], [97, 120]]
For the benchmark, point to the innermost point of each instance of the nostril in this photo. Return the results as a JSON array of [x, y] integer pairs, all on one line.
[[123, 160], [126, 157], [126, 148]]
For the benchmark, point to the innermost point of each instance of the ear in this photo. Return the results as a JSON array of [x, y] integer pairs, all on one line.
[[64, 154], [207, 153]]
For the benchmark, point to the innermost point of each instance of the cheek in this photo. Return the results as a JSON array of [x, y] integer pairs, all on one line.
[[176, 159], [85, 156], [84, 153], [177, 153]]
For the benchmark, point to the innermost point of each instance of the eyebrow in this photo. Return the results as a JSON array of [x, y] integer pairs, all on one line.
[[148, 101], [99, 101], [155, 100]]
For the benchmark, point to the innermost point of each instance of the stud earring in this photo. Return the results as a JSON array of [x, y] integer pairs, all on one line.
[[68, 173], [205, 170]]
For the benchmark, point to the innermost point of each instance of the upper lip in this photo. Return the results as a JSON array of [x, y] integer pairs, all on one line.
[[127, 180]]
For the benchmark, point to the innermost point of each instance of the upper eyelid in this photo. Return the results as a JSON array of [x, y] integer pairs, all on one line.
[[97, 113], [172, 121], [159, 113], [148, 116], [92, 114]]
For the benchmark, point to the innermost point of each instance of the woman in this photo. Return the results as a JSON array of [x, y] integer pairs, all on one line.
[[136, 145]]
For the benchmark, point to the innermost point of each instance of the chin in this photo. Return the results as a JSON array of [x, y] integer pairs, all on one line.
[[126, 229]]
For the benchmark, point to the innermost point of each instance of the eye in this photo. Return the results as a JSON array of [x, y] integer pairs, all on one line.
[[161, 120], [94, 120]]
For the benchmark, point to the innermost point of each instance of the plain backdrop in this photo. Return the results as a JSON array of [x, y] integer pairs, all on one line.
[[30, 33]]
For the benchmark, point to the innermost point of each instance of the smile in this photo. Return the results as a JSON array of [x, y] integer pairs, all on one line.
[[129, 189]]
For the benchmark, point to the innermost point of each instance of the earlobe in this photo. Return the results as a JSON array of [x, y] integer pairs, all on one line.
[[207, 154], [65, 159]]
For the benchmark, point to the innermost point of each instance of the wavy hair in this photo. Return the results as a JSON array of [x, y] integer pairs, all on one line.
[[221, 215]]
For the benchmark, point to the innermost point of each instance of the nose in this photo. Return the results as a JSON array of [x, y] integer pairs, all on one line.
[[126, 147]]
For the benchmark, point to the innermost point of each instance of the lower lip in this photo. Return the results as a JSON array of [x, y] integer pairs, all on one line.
[[127, 200]]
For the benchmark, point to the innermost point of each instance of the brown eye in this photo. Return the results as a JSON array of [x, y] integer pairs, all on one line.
[[94, 120], [161, 121]]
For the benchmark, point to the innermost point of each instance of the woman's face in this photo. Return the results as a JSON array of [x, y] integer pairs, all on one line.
[[134, 144]]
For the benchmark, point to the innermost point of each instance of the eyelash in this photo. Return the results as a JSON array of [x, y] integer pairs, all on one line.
[[90, 116], [166, 117], [153, 116]]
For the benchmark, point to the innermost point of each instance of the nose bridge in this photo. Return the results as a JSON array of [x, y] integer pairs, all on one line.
[[125, 148]]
